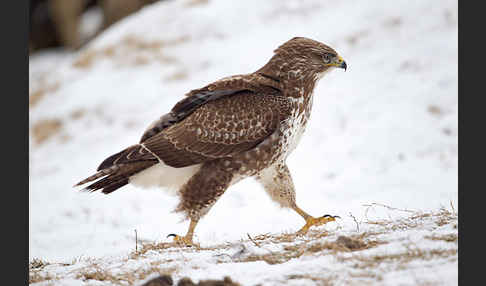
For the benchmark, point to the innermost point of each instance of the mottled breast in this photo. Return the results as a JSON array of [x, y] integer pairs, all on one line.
[[295, 125]]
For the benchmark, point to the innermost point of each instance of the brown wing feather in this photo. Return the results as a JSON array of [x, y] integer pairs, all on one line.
[[131, 154], [220, 128], [256, 83], [184, 108]]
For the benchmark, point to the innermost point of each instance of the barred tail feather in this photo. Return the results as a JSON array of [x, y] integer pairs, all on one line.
[[114, 177], [98, 175]]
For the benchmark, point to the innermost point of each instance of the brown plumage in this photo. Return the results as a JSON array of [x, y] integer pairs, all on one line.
[[239, 126]]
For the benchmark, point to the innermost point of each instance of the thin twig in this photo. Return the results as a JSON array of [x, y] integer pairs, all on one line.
[[136, 242], [453, 210], [357, 224], [390, 208], [385, 206]]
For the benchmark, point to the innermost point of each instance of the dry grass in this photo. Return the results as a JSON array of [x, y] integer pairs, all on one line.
[[325, 281], [442, 217], [86, 59], [345, 244], [401, 258], [35, 277], [45, 128], [162, 246], [150, 247], [95, 272], [131, 50], [274, 258], [37, 263], [341, 244], [225, 282], [362, 267], [166, 280], [36, 96], [451, 237], [35, 271], [308, 247], [291, 237], [358, 242], [366, 274]]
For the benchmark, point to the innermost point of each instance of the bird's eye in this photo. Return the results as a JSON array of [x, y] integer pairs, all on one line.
[[326, 58]]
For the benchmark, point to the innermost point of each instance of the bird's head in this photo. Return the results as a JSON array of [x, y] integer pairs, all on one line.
[[302, 58]]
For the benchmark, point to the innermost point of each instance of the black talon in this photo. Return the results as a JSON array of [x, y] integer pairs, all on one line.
[[172, 234], [328, 215]]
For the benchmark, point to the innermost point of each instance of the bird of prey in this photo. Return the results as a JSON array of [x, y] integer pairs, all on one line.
[[236, 127]]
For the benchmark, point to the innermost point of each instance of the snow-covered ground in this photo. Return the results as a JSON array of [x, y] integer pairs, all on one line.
[[383, 132], [419, 249]]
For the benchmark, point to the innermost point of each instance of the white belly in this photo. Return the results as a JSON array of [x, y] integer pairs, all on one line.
[[163, 176]]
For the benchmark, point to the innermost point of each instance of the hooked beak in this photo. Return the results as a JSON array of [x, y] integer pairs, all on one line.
[[343, 65], [340, 63]]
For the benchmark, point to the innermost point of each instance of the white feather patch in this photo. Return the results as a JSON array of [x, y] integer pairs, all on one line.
[[163, 176]]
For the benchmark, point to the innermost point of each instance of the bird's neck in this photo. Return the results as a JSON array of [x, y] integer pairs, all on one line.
[[294, 80]]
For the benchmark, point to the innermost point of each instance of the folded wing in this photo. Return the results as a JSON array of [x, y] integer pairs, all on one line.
[[220, 128]]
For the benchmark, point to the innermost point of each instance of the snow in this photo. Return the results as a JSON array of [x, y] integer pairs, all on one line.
[[385, 131], [409, 256]]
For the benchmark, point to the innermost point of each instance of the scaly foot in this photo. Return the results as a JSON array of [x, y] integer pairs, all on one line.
[[183, 240], [311, 221]]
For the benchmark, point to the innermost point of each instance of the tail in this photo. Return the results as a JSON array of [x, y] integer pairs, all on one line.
[[112, 175]]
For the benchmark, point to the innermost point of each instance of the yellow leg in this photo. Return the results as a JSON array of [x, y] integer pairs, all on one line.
[[311, 221], [187, 239]]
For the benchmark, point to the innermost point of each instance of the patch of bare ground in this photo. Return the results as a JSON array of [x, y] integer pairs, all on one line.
[[166, 280], [310, 247], [325, 281], [35, 277], [362, 259], [95, 272], [171, 246], [130, 51], [441, 217], [150, 247], [35, 266], [450, 237], [45, 128], [37, 263], [226, 281], [290, 237], [37, 95], [401, 258], [309, 244]]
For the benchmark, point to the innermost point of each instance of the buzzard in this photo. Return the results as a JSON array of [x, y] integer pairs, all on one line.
[[239, 126]]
